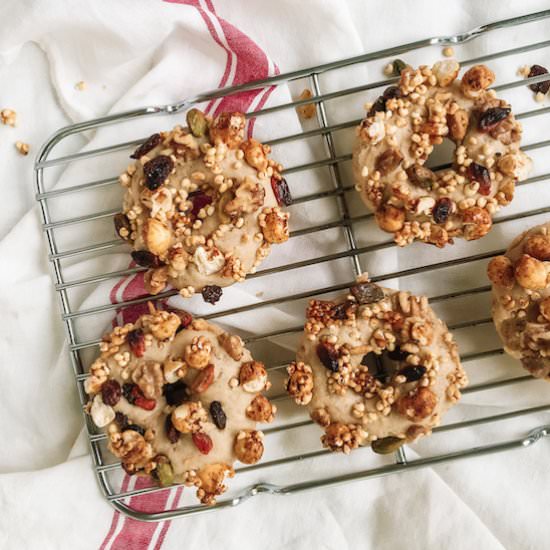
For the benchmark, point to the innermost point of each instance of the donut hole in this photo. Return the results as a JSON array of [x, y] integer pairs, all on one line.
[[443, 153]]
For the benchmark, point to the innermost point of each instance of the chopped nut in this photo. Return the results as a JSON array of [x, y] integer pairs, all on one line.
[[477, 222], [132, 448], [197, 354], [255, 154], [544, 308], [341, 437], [164, 325], [101, 413], [308, 110], [275, 226], [232, 344], [212, 477], [458, 124], [253, 376], [446, 72], [155, 280], [208, 260], [390, 218], [228, 128], [158, 236], [388, 161], [174, 370], [150, 379], [448, 51]]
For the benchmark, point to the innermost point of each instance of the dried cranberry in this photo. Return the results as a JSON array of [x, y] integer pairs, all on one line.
[[176, 393], [122, 222], [146, 146], [491, 117], [367, 293], [171, 433], [121, 420], [442, 209], [397, 354], [328, 355], [412, 372], [145, 258], [281, 191], [135, 396], [127, 392], [211, 293], [136, 428], [217, 414], [203, 442], [136, 341], [542, 87], [479, 173], [157, 170], [199, 199], [111, 392], [203, 380]]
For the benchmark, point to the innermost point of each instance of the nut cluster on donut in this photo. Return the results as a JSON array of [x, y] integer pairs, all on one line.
[[375, 367], [398, 135], [521, 299], [202, 205], [180, 399]]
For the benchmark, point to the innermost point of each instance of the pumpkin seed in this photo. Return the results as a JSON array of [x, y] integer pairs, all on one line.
[[197, 122], [165, 474], [387, 445], [398, 66]]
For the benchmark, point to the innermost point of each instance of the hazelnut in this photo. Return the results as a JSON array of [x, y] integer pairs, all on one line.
[[530, 273], [538, 246], [261, 409], [390, 218], [197, 354], [157, 236], [253, 376], [187, 418], [275, 227], [418, 404], [475, 80], [249, 446], [501, 271]]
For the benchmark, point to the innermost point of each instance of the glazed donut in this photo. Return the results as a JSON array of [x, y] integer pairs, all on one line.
[[398, 135], [179, 399], [521, 299], [202, 205], [376, 367]]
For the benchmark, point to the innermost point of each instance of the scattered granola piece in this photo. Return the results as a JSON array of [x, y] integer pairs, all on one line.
[[308, 110], [80, 86], [23, 148], [8, 117], [448, 51]]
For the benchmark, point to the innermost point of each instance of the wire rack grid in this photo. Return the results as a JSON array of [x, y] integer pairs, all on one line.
[[330, 132]]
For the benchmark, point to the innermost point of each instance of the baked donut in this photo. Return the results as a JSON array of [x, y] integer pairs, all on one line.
[[202, 205], [180, 399], [375, 367], [398, 135], [521, 299]]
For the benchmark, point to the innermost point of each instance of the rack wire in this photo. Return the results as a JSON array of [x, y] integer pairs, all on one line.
[[348, 226]]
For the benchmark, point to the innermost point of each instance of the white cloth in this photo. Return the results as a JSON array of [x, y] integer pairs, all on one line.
[[132, 53]]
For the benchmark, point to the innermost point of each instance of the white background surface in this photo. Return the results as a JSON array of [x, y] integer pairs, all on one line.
[[131, 53]]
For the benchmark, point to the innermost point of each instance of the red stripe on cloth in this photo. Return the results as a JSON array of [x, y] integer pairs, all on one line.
[[116, 515]]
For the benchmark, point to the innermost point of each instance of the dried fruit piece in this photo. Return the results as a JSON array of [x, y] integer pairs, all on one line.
[[387, 445], [218, 415], [413, 372], [421, 176], [145, 258], [185, 318], [367, 293], [135, 396], [388, 161], [539, 87], [136, 341], [442, 209], [111, 392], [490, 118], [392, 92], [176, 393], [211, 293], [135, 428], [157, 170], [281, 191], [165, 474], [390, 218], [203, 380], [146, 146], [328, 355], [197, 123], [171, 433], [122, 226], [199, 199], [121, 420], [398, 66], [397, 354], [478, 172], [342, 311], [203, 442]]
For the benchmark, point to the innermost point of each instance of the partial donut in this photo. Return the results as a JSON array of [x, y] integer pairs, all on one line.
[[398, 135], [521, 299], [202, 205], [375, 367], [179, 399]]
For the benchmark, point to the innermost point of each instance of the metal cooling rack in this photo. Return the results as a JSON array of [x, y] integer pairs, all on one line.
[[340, 191]]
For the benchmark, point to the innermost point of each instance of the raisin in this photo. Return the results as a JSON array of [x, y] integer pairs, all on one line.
[[397, 354], [203, 380], [171, 433], [442, 209], [421, 176], [393, 92], [157, 170], [281, 191], [376, 368], [136, 428], [136, 341], [146, 146], [412, 372], [111, 392], [121, 420], [479, 173], [127, 392], [211, 293], [203, 442], [144, 258], [217, 414], [340, 312], [199, 199], [367, 293], [122, 223], [492, 117], [328, 355], [542, 87], [175, 393]]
